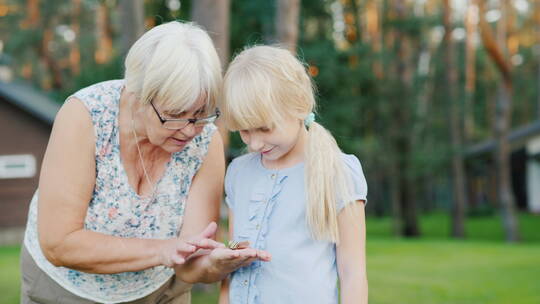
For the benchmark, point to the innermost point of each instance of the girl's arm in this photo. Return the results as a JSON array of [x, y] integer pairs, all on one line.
[[224, 291], [351, 254], [66, 184]]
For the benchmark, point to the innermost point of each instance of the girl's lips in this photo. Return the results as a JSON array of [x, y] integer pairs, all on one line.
[[268, 151]]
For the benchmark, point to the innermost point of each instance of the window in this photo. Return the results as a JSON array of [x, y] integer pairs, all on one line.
[[17, 166]]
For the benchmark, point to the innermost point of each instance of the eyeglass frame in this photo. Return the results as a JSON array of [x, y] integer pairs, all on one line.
[[188, 120]]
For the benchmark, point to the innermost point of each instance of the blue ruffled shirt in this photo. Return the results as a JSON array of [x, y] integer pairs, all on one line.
[[269, 210]]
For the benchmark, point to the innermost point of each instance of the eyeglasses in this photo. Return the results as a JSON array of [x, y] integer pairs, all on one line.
[[180, 123]]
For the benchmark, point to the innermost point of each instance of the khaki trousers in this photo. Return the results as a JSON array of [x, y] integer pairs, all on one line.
[[38, 287]]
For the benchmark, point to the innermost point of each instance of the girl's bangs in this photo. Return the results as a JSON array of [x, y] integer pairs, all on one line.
[[250, 104]]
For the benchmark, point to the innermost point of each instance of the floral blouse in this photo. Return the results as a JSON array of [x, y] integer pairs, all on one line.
[[116, 209]]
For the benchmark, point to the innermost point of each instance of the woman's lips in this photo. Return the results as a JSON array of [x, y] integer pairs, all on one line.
[[179, 142]]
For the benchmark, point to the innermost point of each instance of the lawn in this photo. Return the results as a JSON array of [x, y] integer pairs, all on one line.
[[430, 270]]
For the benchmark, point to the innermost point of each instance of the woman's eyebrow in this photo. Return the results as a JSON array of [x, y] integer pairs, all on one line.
[[180, 113], [200, 110], [174, 113]]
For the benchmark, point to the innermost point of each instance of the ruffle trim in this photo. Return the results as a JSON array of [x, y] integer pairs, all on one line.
[[261, 204]]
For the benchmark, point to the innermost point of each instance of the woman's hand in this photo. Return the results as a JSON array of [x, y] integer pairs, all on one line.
[[225, 260], [214, 265], [177, 251]]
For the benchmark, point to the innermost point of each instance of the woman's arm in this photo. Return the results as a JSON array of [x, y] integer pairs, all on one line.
[[203, 207], [65, 189], [351, 254]]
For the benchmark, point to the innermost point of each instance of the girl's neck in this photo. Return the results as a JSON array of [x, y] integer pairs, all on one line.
[[293, 157]]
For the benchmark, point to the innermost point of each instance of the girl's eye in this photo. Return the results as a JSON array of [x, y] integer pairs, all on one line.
[[264, 129]]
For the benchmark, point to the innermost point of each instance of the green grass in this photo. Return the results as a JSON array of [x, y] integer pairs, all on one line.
[[9, 275], [446, 271], [430, 270], [482, 228]]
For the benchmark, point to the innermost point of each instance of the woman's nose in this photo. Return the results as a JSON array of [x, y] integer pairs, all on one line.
[[189, 130]]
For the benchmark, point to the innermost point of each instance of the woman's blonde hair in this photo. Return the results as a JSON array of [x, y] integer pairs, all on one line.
[[175, 63], [265, 85]]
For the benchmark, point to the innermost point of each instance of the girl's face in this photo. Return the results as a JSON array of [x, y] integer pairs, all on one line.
[[275, 143]]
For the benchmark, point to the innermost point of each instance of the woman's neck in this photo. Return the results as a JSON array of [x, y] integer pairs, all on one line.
[[132, 129]]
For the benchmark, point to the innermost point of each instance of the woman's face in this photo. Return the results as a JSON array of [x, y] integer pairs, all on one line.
[[172, 140]]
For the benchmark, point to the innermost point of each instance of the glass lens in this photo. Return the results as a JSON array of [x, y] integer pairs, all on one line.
[[181, 123], [175, 124], [205, 121]]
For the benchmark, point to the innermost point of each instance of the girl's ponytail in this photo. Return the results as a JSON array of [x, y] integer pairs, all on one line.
[[325, 181]]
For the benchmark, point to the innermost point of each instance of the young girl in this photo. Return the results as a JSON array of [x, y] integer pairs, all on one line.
[[296, 195]]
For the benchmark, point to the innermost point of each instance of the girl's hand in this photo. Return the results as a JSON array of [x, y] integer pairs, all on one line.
[[177, 251], [225, 260]]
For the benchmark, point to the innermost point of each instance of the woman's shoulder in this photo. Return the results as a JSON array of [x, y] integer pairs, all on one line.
[[100, 87], [99, 96], [101, 102]]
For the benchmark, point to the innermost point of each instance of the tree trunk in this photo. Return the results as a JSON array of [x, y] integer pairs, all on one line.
[[458, 168], [74, 52], [47, 58], [132, 20], [374, 34], [287, 16], [395, 194], [32, 16], [103, 32], [502, 123], [214, 16], [470, 68], [408, 204], [537, 24]]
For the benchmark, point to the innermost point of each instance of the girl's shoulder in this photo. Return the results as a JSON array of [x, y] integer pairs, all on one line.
[[353, 169], [244, 162], [243, 166], [351, 162]]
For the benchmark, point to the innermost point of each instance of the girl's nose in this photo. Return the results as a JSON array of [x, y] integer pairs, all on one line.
[[255, 144]]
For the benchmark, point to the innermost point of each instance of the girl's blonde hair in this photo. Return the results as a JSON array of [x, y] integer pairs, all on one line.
[[265, 85], [175, 63]]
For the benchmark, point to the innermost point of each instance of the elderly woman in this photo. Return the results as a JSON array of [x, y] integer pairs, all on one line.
[[131, 183]]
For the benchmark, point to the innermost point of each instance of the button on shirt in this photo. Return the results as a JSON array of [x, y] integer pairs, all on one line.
[[269, 210]]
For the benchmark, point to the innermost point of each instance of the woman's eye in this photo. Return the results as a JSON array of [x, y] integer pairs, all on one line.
[[175, 115]]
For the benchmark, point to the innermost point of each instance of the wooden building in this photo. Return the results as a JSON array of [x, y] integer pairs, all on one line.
[[525, 170], [26, 117]]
